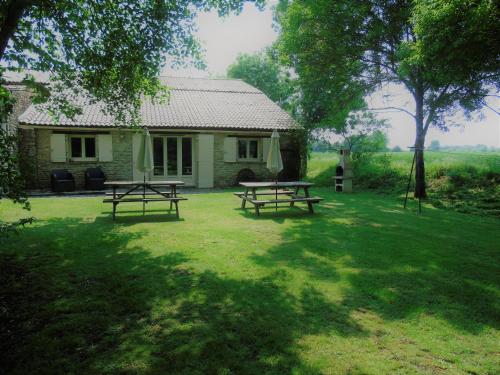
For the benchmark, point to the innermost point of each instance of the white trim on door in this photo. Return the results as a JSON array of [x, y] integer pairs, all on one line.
[[189, 179]]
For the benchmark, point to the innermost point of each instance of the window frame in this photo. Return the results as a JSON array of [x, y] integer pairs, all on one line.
[[179, 146], [84, 149], [248, 158]]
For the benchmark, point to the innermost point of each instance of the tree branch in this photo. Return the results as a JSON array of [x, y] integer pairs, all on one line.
[[432, 109], [395, 108], [488, 106]]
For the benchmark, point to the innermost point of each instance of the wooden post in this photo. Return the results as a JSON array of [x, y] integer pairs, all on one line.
[[243, 200], [294, 196], [309, 203], [254, 195]]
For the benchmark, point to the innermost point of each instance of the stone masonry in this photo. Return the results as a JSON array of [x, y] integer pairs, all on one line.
[[35, 145], [225, 173], [118, 169]]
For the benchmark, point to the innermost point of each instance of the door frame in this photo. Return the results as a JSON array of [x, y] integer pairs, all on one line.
[[188, 179]]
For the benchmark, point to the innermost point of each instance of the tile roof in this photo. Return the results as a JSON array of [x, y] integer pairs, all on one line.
[[12, 77], [194, 103]]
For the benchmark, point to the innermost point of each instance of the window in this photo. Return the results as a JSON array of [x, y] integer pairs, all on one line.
[[172, 156], [187, 157], [248, 149], [83, 147], [158, 157]]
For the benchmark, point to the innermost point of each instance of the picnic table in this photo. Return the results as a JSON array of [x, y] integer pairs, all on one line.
[[277, 192], [145, 192]]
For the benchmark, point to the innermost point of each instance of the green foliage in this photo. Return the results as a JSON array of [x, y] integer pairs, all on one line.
[[375, 142], [434, 146], [363, 132], [458, 39], [111, 50], [6, 104], [11, 181], [114, 50], [264, 73], [322, 146], [466, 182], [344, 51], [223, 291]]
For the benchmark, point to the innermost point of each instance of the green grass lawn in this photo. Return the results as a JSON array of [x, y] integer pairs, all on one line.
[[468, 182], [321, 165], [361, 287]]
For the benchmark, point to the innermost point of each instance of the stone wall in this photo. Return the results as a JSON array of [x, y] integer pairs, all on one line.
[[225, 174], [35, 146], [22, 98], [118, 169], [28, 157]]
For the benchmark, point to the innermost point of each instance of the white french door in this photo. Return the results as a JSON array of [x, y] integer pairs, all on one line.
[[173, 158]]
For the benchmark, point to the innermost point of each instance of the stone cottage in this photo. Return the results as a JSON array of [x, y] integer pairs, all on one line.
[[209, 134]]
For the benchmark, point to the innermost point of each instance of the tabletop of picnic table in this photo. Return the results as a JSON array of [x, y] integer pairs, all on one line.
[[278, 184], [140, 183]]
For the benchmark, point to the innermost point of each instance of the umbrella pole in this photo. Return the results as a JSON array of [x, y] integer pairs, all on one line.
[[144, 195], [276, 190]]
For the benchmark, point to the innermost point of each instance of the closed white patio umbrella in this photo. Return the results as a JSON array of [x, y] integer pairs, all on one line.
[[144, 161], [274, 160]]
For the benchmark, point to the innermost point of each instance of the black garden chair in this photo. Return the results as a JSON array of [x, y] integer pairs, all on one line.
[[62, 180], [94, 179]]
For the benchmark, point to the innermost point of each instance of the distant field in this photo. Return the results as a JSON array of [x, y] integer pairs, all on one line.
[[467, 181]]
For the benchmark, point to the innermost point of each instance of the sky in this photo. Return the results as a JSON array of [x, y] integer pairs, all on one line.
[[251, 31]]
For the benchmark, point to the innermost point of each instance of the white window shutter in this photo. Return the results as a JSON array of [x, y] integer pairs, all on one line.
[[105, 147], [205, 161], [265, 148], [58, 148], [230, 145]]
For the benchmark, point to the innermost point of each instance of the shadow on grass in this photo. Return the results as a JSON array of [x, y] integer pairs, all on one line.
[[84, 297], [137, 216], [403, 264]]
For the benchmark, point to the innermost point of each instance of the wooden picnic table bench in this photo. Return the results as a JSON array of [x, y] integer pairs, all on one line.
[[152, 191], [279, 189]]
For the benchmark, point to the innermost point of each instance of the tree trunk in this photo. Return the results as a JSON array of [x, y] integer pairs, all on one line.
[[419, 146], [420, 168], [13, 13]]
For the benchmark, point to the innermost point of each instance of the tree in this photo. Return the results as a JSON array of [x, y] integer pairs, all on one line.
[[264, 73], [113, 50], [344, 51], [363, 132], [396, 149], [11, 182], [435, 145]]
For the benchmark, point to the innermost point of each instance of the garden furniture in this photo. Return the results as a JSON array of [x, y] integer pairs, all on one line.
[[279, 192], [145, 192], [62, 180], [94, 179]]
